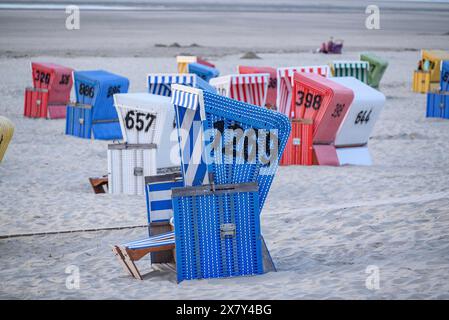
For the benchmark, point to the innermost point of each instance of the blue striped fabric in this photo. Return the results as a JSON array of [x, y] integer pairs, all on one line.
[[198, 111], [159, 240], [160, 83], [190, 135], [159, 204]]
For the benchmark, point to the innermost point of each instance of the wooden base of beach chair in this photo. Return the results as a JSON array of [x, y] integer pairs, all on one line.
[[127, 257], [98, 184]]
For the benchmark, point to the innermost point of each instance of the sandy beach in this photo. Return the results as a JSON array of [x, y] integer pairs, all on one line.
[[323, 225]]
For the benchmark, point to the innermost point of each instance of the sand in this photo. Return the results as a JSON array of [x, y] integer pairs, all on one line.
[[323, 225]]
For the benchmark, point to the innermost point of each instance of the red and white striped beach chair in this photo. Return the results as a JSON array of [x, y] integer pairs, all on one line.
[[249, 88], [270, 102], [285, 84]]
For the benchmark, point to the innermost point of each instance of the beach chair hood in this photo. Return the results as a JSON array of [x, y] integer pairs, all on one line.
[[198, 111], [96, 88], [365, 109], [204, 72]]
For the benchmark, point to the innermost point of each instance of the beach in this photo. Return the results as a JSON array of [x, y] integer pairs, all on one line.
[[324, 226]]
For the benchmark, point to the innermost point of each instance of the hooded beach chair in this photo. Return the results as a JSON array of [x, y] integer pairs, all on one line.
[[438, 100], [272, 87], [285, 84], [377, 67], [324, 104], [249, 88], [204, 72], [184, 61], [427, 77], [357, 69], [6, 132], [209, 201], [352, 137], [50, 94], [93, 114], [148, 118], [150, 141]]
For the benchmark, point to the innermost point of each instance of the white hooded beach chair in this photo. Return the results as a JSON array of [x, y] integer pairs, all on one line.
[[352, 137]]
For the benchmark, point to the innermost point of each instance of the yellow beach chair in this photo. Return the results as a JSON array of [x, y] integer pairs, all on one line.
[[6, 132], [428, 79]]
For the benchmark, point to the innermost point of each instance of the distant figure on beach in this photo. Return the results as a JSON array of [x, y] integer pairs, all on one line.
[[331, 46]]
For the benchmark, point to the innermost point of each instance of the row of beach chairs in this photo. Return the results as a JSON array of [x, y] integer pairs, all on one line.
[[204, 149], [93, 114]]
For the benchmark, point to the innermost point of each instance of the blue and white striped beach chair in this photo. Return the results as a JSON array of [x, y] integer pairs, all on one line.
[[133, 251], [204, 72], [200, 112], [160, 83]]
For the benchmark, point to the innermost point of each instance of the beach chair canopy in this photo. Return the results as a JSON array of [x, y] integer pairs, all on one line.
[[255, 155], [204, 72], [322, 100], [96, 89], [55, 78], [377, 67], [363, 113], [357, 69], [272, 86], [285, 84], [149, 119], [160, 83], [434, 57], [249, 88]]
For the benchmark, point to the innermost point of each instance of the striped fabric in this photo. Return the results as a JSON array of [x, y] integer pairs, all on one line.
[[189, 118], [249, 88], [285, 84], [159, 83], [159, 240], [159, 204], [356, 69]]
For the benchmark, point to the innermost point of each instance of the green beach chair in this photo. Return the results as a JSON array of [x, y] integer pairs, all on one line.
[[377, 67]]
